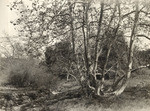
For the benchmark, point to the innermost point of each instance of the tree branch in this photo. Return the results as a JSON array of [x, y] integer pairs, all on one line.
[[125, 15], [144, 24], [140, 67], [142, 35]]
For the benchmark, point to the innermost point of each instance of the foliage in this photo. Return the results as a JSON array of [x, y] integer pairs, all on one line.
[[59, 57], [95, 36], [27, 73], [143, 56]]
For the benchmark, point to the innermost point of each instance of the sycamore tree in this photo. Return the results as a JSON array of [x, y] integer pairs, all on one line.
[[97, 32]]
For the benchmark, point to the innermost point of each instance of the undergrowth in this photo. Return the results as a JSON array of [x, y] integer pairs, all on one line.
[[27, 73]]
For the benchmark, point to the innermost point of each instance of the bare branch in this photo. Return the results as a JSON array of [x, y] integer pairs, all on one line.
[[140, 67], [144, 24], [142, 35], [127, 14]]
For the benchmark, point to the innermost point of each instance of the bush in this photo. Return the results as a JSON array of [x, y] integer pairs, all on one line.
[[59, 58], [27, 72]]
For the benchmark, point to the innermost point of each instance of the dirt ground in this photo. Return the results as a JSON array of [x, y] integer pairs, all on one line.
[[135, 98]]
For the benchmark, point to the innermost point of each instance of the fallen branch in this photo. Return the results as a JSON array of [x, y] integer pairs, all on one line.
[[52, 99], [140, 67]]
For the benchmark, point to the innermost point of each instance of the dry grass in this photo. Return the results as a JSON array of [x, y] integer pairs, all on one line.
[[135, 98], [122, 104], [116, 105]]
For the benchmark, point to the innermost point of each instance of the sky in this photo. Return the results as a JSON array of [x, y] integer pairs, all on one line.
[[5, 26], [6, 15]]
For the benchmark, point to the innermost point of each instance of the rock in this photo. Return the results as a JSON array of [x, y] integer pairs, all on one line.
[[16, 108], [32, 95], [8, 97], [26, 99]]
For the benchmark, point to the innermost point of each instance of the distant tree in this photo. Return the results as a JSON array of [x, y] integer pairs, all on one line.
[[59, 57]]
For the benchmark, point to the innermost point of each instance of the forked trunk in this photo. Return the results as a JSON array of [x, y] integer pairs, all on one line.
[[118, 89]]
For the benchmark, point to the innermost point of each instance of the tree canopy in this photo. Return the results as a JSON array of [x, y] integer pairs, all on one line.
[[88, 37]]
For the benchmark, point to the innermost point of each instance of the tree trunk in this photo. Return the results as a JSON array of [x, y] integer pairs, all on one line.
[[124, 79], [72, 29], [97, 47], [130, 57]]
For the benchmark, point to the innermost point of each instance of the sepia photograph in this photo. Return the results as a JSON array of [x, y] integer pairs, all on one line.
[[74, 55]]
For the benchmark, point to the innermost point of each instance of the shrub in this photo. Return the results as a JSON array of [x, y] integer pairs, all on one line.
[[59, 57], [27, 72]]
